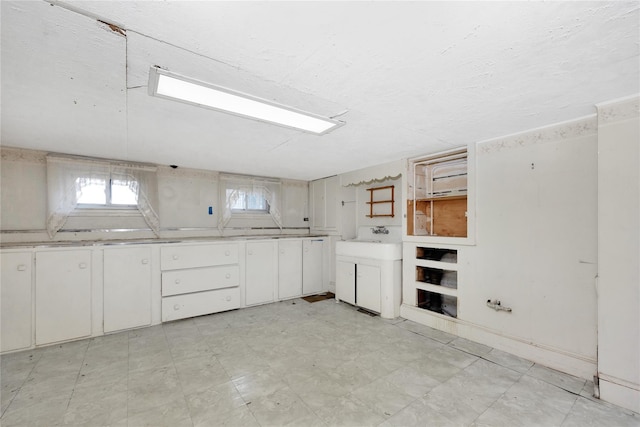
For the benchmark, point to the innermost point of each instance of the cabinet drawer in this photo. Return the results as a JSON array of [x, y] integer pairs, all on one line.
[[197, 304], [200, 279], [177, 257]]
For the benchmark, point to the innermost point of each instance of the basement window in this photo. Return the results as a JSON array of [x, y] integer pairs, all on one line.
[[92, 193], [247, 201]]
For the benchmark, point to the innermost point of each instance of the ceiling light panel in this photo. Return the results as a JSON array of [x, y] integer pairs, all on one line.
[[179, 88]]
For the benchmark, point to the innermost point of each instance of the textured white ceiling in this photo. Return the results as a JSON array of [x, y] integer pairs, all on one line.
[[415, 77]]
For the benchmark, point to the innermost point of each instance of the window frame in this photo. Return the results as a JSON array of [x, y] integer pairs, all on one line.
[[109, 205], [246, 211]]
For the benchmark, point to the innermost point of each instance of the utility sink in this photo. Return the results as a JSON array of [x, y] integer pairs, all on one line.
[[369, 249]]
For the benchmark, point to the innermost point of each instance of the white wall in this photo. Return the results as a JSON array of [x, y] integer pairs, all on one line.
[[619, 252], [536, 241], [184, 198]]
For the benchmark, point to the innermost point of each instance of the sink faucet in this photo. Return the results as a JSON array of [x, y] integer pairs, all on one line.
[[380, 229]]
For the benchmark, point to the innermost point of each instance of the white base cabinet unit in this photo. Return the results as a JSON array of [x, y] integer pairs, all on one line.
[[261, 273], [373, 284], [199, 279], [63, 295], [16, 303], [289, 269], [300, 267], [127, 288]]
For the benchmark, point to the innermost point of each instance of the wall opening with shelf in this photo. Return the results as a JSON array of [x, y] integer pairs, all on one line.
[[437, 254], [437, 195], [438, 303]]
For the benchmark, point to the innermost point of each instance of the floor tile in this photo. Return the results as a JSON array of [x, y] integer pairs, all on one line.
[[283, 407], [383, 397], [508, 360], [586, 412], [349, 411], [560, 379], [529, 402], [290, 363]]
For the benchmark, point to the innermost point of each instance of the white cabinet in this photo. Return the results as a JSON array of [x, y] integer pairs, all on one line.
[[199, 279], [359, 284], [63, 295], [346, 282], [127, 288], [324, 201], [289, 269], [15, 326], [199, 303], [312, 278], [260, 272], [368, 287], [193, 256]]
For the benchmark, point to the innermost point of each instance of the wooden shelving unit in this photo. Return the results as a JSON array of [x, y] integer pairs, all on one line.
[[375, 206]]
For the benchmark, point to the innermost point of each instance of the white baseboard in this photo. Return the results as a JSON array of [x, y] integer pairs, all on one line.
[[620, 395], [573, 364]]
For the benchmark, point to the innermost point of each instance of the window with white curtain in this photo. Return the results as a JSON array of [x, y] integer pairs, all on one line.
[[246, 195], [76, 183], [106, 193], [247, 201]]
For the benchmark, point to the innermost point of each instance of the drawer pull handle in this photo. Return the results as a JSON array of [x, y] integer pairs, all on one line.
[[227, 253], [176, 307], [228, 275], [228, 298], [145, 261], [176, 257], [22, 267], [177, 281], [82, 265]]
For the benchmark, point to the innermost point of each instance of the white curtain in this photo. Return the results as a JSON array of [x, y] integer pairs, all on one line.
[[232, 186], [67, 176], [143, 181]]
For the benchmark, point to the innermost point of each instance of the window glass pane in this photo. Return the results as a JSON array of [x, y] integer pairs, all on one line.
[[236, 199], [91, 191], [246, 200], [123, 194], [256, 202]]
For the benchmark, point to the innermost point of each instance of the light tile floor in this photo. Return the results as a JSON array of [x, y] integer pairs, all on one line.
[[291, 363]]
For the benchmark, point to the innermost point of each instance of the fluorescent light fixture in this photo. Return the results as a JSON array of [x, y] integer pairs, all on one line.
[[179, 88]]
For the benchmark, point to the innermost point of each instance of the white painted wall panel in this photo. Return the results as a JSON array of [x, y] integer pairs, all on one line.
[[537, 244], [619, 255]]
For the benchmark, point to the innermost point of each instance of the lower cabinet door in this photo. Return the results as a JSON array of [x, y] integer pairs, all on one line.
[[199, 303], [127, 288], [368, 287], [312, 266], [63, 295], [346, 282], [289, 269], [260, 272], [15, 312]]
